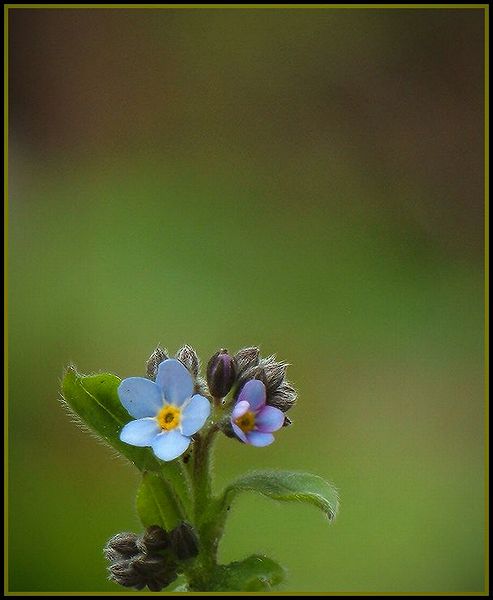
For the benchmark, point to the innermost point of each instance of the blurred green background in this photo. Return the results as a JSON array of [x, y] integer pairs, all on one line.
[[309, 181]]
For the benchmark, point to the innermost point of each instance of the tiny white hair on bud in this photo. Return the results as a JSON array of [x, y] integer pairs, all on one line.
[[189, 358]]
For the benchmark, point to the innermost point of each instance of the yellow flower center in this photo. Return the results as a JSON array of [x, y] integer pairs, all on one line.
[[169, 417], [246, 422]]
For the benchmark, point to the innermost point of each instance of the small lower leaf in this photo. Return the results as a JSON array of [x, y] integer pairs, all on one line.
[[288, 486], [253, 574], [157, 503]]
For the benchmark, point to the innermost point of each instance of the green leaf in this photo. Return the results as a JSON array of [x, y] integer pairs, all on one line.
[[94, 399], [287, 486], [253, 574], [95, 402], [157, 503]]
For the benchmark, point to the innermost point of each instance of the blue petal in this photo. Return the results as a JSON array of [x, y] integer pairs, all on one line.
[[141, 397], [170, 444], [256, 438], [254, 393], [175, 381], [239, 432], [194, 414], [140, 432]]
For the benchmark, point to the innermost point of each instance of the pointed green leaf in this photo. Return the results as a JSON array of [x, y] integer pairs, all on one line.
[[253, 574], [288, 486], [95, 402], [157, 503]]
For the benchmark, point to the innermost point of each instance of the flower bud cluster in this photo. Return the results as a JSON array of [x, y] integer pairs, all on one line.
[[225, 371], [151, 559], [280, 393], [186, 356]]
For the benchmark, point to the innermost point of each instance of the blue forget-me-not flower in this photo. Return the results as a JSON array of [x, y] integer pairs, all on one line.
[[167, 412]]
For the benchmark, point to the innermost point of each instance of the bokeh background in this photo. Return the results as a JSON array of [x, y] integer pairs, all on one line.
[[307, 180]]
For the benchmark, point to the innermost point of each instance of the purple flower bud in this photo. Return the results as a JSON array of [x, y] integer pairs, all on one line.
[[221, 373]]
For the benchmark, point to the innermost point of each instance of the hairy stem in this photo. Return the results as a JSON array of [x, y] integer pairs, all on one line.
[[206, 513], [204, 518]]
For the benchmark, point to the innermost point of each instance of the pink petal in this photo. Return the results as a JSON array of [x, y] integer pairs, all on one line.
[[269, 419], [240, 409]]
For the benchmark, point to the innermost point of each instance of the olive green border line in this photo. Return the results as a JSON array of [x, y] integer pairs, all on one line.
[[5, 296], [486, 288], [485, 8], [250, 6]]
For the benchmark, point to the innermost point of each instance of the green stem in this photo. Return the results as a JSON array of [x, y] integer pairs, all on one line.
[[205, 512], [201, 472], [204, 515]]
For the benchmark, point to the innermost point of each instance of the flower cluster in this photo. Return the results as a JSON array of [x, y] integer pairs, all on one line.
[[175, 413], [150, 559], [249, 394]]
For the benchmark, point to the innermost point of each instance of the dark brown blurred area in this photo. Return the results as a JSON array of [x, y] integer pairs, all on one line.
[[397, 92]]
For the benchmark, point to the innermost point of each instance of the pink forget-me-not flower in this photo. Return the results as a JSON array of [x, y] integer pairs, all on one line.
[[167, 412], [253, 421]]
